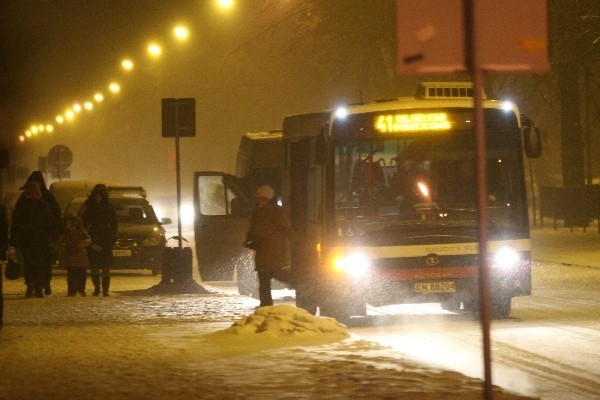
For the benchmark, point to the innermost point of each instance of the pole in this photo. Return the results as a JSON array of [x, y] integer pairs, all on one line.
[[178, 172], [471, 30]]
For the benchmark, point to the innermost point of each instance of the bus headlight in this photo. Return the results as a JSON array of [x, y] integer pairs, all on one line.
[[355, 265], [505, 258]]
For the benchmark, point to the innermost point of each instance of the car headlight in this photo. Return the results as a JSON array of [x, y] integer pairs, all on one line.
[[355, 265], [153, 241], [505, 258]]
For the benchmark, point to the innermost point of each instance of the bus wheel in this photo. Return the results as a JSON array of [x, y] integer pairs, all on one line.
[[501, 307], [305, 299], [452, 305], [343, 307]]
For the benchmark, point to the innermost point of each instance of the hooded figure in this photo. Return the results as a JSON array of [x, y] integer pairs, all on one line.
[[33, 228], [48, 197], [36, 176], [100, 221]]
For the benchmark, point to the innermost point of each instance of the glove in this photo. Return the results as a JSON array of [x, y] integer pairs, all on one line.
[[95, 247], [11, 253]]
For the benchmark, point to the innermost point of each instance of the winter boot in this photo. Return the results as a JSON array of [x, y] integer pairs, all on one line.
[[48, 290], [38, 291], [96, 282], [29, 291], [105, 285]]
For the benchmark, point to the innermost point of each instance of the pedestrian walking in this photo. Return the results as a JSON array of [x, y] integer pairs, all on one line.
[[100, 221], [32, 230], [48, 197], [75, 240], [270, 230]]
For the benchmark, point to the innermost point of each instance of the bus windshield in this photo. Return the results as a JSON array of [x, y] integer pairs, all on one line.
[[427, 180]]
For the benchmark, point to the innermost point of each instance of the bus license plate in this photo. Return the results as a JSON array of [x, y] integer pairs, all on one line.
[[435, 287], [122, 253]]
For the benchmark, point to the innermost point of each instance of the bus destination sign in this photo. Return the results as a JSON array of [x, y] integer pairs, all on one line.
[[416, 122]]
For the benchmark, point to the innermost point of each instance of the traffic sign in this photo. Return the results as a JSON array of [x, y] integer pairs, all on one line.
[[60, 157], [179, 117]]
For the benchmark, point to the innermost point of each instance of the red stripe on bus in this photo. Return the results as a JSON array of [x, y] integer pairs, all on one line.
[[426, 273]]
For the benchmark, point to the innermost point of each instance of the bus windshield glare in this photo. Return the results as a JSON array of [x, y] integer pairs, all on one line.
[[419, 169]]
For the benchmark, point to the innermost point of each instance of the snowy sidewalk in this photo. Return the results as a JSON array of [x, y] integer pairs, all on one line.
[[133, 345]]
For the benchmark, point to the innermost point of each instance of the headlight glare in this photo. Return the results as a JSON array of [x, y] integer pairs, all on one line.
[[355, 265], [505, 258]]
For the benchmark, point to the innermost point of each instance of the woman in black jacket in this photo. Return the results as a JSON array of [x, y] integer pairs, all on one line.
[[100, 221]]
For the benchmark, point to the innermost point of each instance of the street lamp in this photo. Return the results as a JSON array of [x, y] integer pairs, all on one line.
[[181, 33], [99, 97], [225, 3], [114, 87], [88, 105], [154, 50], [60, 119], [127, 64]]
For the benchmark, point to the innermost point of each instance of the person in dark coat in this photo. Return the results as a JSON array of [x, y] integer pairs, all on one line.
[[32, 230], [100, 221], [48, 197], [271, 228]]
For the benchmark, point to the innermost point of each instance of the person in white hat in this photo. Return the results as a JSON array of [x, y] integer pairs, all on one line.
[[270, 229]]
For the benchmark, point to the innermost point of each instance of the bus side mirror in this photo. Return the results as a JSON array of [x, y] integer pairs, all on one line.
[[532, 141]]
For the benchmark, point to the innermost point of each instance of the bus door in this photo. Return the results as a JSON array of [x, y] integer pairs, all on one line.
[[305, 206], [222, 210]]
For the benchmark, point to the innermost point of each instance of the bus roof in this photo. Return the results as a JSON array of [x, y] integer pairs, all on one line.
[[274, 134], [310, 124]]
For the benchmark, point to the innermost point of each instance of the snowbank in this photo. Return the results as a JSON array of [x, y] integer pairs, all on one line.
[[285, 320]]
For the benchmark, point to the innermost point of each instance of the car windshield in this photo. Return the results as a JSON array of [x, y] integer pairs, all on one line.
[[133, 211], [426, 181]]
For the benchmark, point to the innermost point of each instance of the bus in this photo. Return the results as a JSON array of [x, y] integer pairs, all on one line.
[[383, 199]]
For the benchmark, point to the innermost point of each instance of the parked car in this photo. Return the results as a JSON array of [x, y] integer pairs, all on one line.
[[140, 235]]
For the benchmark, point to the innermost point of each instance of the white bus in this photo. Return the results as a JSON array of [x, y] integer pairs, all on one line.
[[383, 198]]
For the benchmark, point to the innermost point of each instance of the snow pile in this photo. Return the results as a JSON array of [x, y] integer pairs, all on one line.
[[286, 320]]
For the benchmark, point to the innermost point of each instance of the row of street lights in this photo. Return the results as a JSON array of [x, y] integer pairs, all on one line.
[[154, 50]]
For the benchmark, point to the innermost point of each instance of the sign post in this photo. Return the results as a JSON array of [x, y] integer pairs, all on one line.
[[178, 120], [457, 36]]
